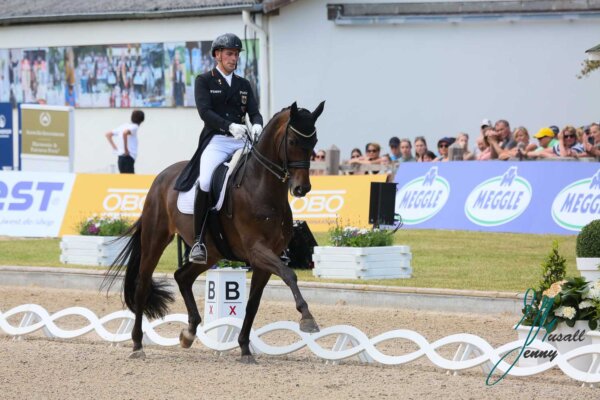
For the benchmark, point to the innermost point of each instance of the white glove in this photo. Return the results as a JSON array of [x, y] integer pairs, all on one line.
[[238, 130], [256, 129]]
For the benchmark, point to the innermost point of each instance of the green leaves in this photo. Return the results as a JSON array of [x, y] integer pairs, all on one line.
[[588, 240], [104, 226]]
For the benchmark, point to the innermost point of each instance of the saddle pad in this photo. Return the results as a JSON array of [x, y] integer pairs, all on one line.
[[185, 200]]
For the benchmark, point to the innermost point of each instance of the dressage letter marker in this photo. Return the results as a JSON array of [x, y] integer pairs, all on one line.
[[225, 297]]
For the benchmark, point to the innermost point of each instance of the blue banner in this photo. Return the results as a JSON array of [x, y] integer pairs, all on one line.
[[6, 136], [522, 197]]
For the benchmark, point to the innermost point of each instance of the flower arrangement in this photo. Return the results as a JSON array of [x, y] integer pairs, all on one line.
[[104, 226], [559, 299], [350, 236]]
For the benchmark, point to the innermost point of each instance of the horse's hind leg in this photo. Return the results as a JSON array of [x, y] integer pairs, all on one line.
[[257, 285], [185, 277], [154, 243]]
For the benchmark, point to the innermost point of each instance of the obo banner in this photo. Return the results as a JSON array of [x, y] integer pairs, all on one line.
[[521, 197], [33, 203]]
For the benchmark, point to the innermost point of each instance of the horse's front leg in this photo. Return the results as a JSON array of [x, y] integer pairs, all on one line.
[[265, 258], [259, 281]]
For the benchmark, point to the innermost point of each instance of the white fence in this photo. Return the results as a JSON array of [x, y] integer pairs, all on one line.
[[350, 342]]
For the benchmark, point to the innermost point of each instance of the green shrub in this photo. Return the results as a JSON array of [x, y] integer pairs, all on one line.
[[354, 237], [554, 268], [588, 240]]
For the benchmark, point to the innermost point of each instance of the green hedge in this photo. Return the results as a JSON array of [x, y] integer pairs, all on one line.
[[588, 240]]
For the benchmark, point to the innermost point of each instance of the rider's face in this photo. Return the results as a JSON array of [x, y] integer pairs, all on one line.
[[228, 59]]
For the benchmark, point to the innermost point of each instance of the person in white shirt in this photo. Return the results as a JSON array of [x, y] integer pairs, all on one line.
[[124, 142]]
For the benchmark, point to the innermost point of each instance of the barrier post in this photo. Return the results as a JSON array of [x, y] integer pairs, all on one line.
[[225, 296]]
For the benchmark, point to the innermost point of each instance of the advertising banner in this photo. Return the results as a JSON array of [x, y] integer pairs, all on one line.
[[341, 198], [105, 195], [522, 197], [6, 137], [33, 204]]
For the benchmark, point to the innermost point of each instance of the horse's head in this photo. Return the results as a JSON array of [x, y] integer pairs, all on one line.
[[299, 141]]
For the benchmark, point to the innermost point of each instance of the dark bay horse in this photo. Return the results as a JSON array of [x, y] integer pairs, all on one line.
[[258, 231]]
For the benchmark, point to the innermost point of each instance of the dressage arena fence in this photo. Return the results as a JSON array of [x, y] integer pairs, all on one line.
[[472, 351]]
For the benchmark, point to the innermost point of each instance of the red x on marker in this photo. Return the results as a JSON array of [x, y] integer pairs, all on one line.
[[210, 311], [232, 310]]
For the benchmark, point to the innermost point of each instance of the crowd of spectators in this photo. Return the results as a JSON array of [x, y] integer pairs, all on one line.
[[494, 142]]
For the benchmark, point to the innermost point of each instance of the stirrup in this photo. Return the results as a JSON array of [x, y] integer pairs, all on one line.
[[198, 253]]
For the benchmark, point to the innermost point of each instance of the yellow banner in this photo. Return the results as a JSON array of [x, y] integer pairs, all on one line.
[[105, 195], [345, 198], [342, 198]]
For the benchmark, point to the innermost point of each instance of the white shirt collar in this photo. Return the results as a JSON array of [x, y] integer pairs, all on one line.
[[227, 77]]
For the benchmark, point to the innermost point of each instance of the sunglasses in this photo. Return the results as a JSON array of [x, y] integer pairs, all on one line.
[[570, 136], [319, 157], [372, 150], [442, 146]]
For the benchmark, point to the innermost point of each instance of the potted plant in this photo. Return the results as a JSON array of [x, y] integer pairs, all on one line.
[[562, 308], [97, 243], [361, 254], [588, 250]]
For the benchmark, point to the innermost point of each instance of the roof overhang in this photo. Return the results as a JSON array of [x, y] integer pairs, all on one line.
[[453, 12]]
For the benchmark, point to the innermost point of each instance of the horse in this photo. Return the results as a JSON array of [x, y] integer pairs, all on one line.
[[258, 230]]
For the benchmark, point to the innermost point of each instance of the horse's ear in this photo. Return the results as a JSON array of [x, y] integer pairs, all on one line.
[[318, 110], [293, 110]]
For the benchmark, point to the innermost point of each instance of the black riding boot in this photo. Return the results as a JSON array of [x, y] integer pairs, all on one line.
[[198, 254]]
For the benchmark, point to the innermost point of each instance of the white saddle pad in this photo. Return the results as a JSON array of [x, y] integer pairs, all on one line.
[[185, 200]]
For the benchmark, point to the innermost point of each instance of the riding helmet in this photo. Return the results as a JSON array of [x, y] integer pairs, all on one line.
[[226, 41]]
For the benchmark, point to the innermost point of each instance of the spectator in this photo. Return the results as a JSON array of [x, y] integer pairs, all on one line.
[[554, 129], [505, 141], [443, 145], [485, 152], [485, 124], [420, 148], [521, 136], [394, 148], [356, 153], [546, 140], [567, 144], [405, 151], [459, 150], [386, 163], [371, 157], [429, 156], [124, 142], [592, 140], [319, 157]]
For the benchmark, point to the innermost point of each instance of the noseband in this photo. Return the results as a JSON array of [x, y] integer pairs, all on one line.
[[282, 172]]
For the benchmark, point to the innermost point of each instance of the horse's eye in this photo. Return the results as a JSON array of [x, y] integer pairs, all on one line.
[[293, 142]]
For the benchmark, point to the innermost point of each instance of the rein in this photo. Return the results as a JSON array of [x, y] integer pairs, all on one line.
[[282, 172]]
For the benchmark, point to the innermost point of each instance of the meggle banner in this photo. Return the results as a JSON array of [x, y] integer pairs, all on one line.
[[522, 197], [33, 203], [343, 198], [105, 195]]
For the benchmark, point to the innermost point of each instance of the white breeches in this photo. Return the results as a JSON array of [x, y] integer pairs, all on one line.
[[218, 150]]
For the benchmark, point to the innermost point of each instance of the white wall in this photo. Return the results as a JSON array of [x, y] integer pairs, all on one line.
[[430, 79], [169, 134]]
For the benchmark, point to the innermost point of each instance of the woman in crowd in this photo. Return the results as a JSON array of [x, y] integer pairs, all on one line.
[[443, 145], [420, 148], [429, 156], [521, 136]]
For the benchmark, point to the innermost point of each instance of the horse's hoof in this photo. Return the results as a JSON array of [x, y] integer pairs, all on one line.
[[248, 360], [137, 355], [309, 326], [186, 339]]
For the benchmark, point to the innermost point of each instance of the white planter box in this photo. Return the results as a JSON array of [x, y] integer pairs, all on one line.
[[90, 250], [387, 262], [588, 268], [581, 363]]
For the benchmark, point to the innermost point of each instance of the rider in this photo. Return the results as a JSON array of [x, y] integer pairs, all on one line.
[[223, 99]]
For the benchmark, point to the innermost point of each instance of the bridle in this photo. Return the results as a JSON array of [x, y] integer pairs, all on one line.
[[282, 172]]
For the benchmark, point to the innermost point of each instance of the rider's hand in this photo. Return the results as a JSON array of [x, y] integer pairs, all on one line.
[[257, 129], [238, 130]]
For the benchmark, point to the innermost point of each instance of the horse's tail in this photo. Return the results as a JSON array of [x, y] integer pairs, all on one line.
[[159, 297]]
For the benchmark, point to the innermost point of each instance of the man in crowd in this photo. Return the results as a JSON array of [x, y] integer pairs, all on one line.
[[394, 149]]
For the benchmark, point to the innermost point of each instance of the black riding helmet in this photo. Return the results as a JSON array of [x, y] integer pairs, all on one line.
[[226, 41]]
